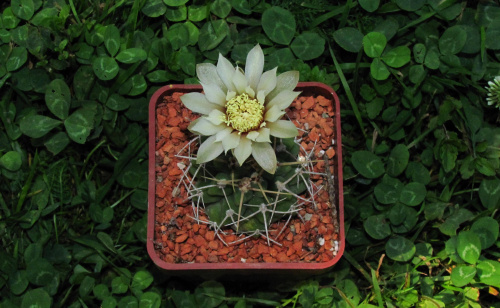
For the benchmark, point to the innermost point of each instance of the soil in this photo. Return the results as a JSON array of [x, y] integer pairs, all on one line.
[[311, 236]]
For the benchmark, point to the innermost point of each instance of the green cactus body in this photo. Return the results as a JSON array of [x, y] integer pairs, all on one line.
[[246, 198]]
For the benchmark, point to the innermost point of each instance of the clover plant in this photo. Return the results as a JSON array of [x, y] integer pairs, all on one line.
[[421, 146]]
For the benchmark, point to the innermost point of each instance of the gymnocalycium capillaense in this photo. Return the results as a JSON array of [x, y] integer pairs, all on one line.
[[242, 115], [241, 110]]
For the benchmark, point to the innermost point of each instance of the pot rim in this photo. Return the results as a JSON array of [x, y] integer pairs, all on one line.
[[193, 267]]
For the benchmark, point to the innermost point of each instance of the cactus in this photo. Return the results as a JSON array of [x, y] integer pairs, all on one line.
[[246, 198]]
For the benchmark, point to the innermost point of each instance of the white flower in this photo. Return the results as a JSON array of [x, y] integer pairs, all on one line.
[[494, 92], [241, 110]]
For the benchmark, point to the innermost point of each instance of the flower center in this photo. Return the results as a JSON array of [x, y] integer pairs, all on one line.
[[243, 113]]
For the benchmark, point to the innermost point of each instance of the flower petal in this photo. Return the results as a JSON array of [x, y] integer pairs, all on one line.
[[209, 150], [197, 102], [264, 155], [207, 73], [282, 100], [282, 129], [239, 80], [223, 133], [261, 97], [273, 114], [215, 116], [214, 94], [225, 70], [230, 95], [254, 66], [250, 92], [243, 150], [231, 141], [252, 135], [204, 127], [285, 81], [267, 81], [264, 135]]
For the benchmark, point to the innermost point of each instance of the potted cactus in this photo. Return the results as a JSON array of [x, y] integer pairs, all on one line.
[[246, 174]]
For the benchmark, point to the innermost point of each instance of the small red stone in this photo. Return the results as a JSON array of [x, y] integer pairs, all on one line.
[[169, 259], [242, 253], [181, 238], [330, 152], [186, 249], [324, 101], [213, 245], [212, 259], [199, 241], [223, 251], [200, 259], [263, 249], [322, 229], [328, 131], [210, 235], [308, 103], [313, 135], [282, 257], [269, 259]]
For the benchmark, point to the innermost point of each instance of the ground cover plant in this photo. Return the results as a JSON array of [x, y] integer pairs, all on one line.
[[421, 145]]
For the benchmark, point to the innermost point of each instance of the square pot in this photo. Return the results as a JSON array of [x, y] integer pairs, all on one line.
[[157, 240]]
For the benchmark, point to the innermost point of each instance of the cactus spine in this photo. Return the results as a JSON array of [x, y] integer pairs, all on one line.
[[246, 198]]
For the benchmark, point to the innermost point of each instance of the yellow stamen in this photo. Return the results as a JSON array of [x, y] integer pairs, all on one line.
[[243, 113]]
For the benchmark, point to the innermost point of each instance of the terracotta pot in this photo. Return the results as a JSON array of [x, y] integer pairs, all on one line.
[[249, 270]]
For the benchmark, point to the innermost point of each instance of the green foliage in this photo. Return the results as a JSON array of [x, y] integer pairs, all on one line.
[[279, 25], [421, 145]]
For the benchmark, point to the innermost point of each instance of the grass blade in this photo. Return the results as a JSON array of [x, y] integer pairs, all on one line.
[[376, 289], [422, 18], [337, 11], [348, 92], [345, 13], [355, 263], [75, 13], [27, 185]]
